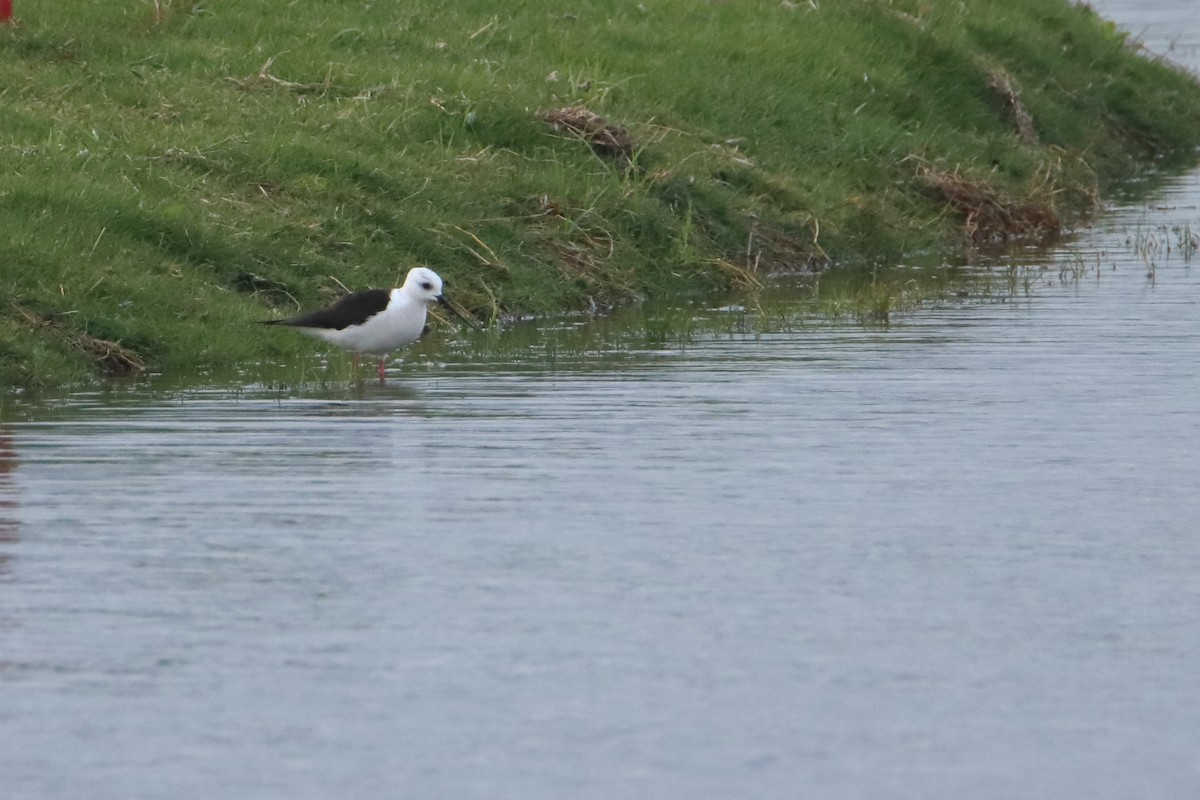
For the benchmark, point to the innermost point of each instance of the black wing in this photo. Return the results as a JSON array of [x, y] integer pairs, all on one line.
[[353, 309]]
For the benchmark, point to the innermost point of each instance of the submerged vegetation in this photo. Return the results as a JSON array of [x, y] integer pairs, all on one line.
[[174, 170]]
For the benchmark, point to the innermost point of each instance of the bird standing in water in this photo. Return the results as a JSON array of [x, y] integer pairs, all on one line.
[[376, 321]]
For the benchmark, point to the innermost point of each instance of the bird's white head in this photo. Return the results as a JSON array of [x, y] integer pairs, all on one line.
[[423, 285]]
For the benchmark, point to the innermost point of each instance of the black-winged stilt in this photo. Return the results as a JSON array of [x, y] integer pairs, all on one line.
[[376, 321]]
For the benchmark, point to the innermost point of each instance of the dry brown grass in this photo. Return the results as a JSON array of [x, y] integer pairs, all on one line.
[[1001, 83], [606, 139], [111, 358], [991, 216]]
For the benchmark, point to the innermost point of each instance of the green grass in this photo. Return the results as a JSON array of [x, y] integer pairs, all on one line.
[[170, 176]]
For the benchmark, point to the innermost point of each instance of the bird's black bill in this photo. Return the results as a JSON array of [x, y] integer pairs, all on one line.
[[461, 315]]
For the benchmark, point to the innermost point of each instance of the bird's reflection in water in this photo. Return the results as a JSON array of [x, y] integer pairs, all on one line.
[[9, 526]]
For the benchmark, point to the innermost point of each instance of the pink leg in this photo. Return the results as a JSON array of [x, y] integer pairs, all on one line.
[[382, 374], [354, 362]]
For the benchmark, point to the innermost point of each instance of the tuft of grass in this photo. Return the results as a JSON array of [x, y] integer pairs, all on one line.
[[176, 169]]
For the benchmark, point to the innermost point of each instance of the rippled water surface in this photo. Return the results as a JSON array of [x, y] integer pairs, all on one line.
[[953, 558]]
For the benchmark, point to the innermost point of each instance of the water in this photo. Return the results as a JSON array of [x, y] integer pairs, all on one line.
[[956, 558]]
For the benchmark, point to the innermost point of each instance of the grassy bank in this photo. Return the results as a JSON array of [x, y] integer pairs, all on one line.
[[175, 170]]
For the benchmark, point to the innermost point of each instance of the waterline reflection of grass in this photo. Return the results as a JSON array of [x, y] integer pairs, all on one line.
[[871, 298]]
